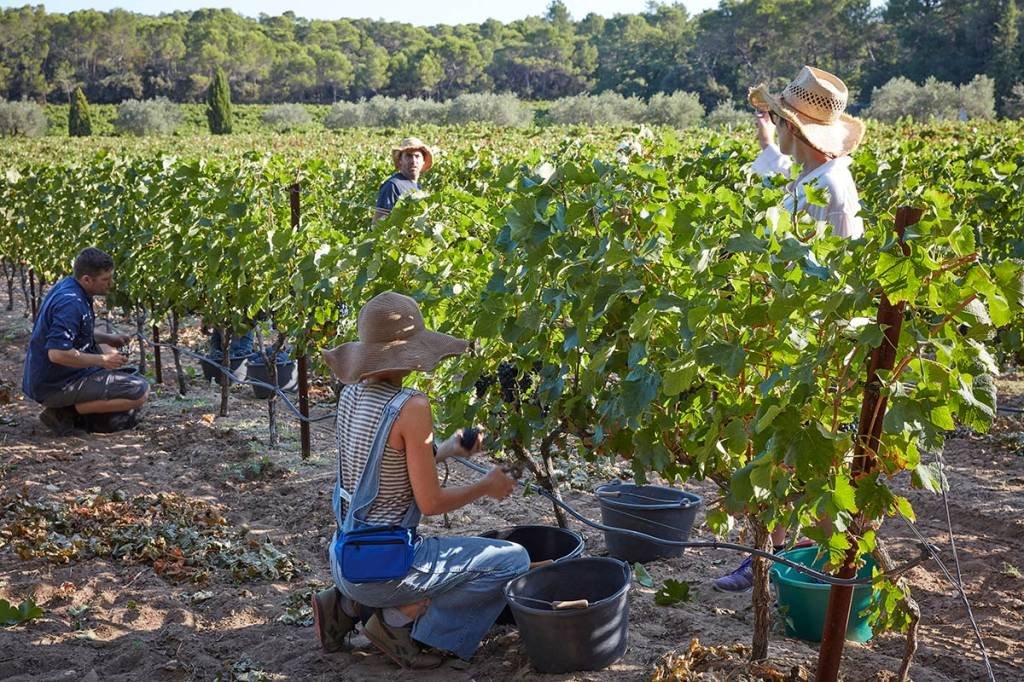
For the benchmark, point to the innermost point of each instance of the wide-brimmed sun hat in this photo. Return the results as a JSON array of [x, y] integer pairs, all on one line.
[[392, 336], [815, 102], [413, 143]]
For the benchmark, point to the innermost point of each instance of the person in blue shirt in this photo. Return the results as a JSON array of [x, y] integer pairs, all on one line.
[[70, 368], [412, 159]]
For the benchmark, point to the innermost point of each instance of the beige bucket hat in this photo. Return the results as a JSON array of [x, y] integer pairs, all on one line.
[[413, 143], [392, 336], [815, 102]]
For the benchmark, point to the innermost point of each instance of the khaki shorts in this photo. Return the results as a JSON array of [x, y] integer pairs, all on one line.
[[102, 385]]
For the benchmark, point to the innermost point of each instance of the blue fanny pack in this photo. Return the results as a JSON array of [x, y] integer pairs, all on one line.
[[375, 554]]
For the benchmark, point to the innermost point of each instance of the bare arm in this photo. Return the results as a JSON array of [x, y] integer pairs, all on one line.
[[414, 428], [78, 360]]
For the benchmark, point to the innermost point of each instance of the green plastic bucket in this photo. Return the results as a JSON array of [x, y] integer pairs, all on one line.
[[803, 600]]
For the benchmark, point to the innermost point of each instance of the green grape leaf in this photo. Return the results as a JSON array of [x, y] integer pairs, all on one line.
[[672, 592], [642, 577]]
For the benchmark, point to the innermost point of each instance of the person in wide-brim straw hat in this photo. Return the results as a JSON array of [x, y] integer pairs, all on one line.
[[387, 474], [815, 103], [412, 158], [413, 144], [392, 337], [815, 132]]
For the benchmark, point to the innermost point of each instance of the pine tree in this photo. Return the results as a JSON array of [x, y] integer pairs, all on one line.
[[218, 104], [79, 121]]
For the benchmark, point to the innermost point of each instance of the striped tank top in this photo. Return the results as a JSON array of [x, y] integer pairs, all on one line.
[[360, 410]]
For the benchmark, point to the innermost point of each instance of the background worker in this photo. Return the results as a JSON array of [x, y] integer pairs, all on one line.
[[815, 132], [71, 369], [412, 158]]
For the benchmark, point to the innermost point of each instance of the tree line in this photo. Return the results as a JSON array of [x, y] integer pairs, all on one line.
[[717, 54]]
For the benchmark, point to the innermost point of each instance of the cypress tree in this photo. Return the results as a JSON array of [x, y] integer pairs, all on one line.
[[1006, 53], [79, 121], [218, 104]]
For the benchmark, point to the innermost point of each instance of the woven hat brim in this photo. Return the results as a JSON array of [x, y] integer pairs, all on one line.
[[421, 352], [839, 138], [428, 156]]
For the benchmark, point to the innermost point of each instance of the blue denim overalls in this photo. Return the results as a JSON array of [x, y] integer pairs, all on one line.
[[463, 577]]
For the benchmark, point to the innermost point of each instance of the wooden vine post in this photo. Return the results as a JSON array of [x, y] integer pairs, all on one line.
[[869, 432], [32, 288], [303, 360], [157, 366]]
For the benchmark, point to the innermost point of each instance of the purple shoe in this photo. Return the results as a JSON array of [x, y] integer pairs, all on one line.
[[740, 580]]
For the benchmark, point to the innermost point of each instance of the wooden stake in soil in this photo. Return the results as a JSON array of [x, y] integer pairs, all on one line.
[[140, 326], [157, 366], [869, 432], [293, 198], [32, 289], [225, 383], [304, 405], [24, 291]]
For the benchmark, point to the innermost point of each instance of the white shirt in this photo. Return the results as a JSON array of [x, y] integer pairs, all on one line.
[[833, 176]]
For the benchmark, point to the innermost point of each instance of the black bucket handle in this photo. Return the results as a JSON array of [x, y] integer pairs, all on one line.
[[686, 502]]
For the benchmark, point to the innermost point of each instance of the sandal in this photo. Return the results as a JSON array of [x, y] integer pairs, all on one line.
[[330, 622], [397, 644]]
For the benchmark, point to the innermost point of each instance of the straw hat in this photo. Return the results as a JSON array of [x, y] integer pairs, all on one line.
[[815, 102], [413, 143], [392, 336]]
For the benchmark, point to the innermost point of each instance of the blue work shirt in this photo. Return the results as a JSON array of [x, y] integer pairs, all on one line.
[[394, 187], [65, 320]]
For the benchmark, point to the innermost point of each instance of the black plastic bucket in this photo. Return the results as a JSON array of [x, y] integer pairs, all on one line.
[[542, 543], [562, 640], [287, 378], [211, 371], [666, 513]]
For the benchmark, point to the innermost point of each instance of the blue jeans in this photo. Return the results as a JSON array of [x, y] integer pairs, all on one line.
[[462, 576]]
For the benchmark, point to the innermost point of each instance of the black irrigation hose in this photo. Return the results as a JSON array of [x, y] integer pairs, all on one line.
[[231, 375], [959, 584], [928, 551], [712, 544]]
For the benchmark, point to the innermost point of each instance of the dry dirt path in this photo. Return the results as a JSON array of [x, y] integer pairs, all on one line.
[[110, 620]]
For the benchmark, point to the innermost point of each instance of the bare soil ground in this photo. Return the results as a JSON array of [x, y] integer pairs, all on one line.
[[211, 608]]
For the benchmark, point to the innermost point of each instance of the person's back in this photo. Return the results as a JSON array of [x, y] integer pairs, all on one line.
[[451, 590], [360, 412]]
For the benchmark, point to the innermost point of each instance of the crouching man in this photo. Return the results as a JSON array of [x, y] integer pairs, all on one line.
[[71, 369]]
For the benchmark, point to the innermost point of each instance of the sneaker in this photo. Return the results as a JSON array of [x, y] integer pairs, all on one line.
[[330, 622], [740, 580], [398, 644], [60, 420]]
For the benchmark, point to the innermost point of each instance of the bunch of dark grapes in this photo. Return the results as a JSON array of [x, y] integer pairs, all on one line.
[[482, 384], [507, 373]]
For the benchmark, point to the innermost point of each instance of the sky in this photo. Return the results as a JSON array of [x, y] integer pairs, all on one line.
[[421, 12]]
